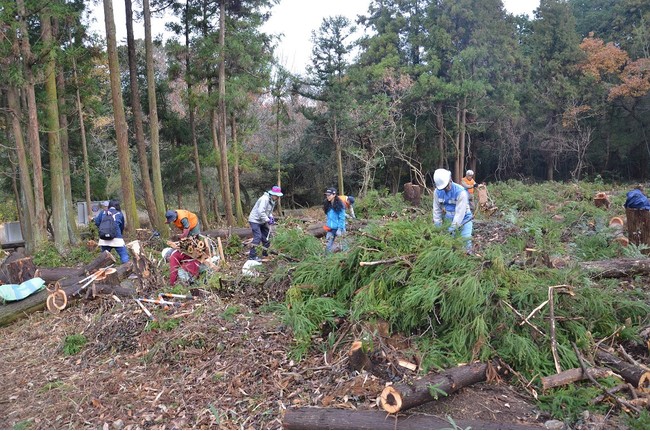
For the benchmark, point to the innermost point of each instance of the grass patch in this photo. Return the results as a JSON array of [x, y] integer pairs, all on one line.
[[162, 324], [73, 344], [26, 424], [230, 312]]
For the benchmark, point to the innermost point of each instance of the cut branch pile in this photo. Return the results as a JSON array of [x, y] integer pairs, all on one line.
[[66, 285]]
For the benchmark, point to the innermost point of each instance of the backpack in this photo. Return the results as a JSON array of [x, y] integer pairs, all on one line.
[[108, 226]]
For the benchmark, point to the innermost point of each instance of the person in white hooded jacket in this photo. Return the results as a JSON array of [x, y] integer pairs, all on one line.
[[452, 200], [260, 219]]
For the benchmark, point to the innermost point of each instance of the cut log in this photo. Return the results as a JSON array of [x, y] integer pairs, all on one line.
[[617, 268], [20, 270], [631, 373], [311, 418], [50, 275], [403, 396], [104, 259], [17, 310], [573, 375]]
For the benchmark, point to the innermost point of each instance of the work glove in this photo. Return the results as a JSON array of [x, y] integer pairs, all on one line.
[[339, 232], [451, 230], [271, 220]]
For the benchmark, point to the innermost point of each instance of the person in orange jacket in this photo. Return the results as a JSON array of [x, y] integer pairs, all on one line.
[[469, 183], [185, 220]]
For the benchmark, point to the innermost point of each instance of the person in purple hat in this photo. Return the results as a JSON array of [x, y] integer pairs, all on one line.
[[260, 219]]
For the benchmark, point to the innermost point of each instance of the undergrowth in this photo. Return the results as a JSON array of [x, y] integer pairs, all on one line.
[[417, 278]]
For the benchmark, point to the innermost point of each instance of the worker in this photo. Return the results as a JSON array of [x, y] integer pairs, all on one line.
[[469, 184], [260, 220], [181, 266], [334, 209], [348, 201], [110, 223], [453, 200], [185, 220]]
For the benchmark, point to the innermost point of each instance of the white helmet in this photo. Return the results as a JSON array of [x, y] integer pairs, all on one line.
[[441, 177], [167, 252], [469, 172]]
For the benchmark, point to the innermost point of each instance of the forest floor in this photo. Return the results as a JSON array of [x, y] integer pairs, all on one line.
[[219, 361]]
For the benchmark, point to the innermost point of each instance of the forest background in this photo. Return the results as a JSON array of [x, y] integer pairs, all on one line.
[[208, 119]]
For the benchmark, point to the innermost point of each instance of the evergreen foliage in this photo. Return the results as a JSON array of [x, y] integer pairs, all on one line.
[[459, 308]]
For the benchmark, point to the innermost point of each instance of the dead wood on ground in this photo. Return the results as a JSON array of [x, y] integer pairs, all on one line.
[[406, 395], [341, 419]]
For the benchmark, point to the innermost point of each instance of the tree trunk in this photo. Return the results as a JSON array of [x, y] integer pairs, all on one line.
[[23, 167], [70, 209], [278, 109], [136, 108], [403, 396], [440, 124], [638, 226], [456, 170], [121, 132], [203, 210], [631, 373], [159, 221], [217, 149], [339, 158], [312, 418], [39, 222], [225, 185], [84, 144], [461, 146], [235, 172], [59, 214], [617, 268]]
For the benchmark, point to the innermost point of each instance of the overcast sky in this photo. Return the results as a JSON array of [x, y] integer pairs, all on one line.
[[296, 19]]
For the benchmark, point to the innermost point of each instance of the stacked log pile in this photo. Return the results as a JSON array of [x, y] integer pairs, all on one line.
[[65, 285]]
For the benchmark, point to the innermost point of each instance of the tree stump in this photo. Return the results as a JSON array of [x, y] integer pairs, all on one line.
[[638, 226], [20, 270], [413, 194], [601, 200]]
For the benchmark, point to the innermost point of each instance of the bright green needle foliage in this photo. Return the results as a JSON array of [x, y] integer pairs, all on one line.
[[418, 278]]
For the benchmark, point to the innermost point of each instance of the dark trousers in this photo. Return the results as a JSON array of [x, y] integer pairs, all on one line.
[[260, 235]]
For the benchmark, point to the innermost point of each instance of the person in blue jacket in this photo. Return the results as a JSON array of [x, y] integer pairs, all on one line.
[[453, 200], [334, 209], [116, 243]]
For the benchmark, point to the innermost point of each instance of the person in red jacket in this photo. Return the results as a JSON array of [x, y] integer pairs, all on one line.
[[180, 266]]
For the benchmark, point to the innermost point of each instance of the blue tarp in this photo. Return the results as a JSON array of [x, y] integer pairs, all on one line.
[[16, 292], [637, 200]]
